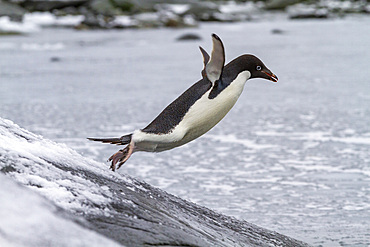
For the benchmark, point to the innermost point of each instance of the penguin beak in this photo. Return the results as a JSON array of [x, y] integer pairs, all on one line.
[[270, 76]]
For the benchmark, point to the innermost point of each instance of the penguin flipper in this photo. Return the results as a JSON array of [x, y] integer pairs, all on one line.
[[205, 61], [205, 56], [123, 140], [216, 63]]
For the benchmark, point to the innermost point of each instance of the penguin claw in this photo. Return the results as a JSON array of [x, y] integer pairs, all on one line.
[[120, 164], [121, 157]]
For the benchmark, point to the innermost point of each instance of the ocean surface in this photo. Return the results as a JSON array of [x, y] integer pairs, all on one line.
[[293, 157]]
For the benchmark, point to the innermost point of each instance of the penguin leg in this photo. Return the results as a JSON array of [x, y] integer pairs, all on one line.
[[121, 156]]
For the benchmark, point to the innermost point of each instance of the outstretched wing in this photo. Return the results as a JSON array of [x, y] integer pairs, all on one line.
[[205, 61], [215, 65]]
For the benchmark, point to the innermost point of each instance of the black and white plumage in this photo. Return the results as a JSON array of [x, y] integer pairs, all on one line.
[[198, 109]]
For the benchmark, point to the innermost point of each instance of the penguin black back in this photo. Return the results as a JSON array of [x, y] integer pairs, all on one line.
[[174, 112]]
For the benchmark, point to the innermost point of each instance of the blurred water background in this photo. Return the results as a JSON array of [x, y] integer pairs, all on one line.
[[292, 157]]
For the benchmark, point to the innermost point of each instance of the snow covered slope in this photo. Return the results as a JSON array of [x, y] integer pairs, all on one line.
[[83, 202], [28, 219]]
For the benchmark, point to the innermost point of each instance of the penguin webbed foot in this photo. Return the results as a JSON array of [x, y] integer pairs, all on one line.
[[120, 157]]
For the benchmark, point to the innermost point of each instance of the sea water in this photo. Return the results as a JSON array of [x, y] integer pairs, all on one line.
[[293, 157]]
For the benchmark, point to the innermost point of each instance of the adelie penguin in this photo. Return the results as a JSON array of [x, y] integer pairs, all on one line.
[[198, 109]]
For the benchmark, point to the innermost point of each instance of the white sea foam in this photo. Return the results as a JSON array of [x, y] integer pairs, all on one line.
[[224, 189], [33, 22], [48, 19], [124, 20], [297, 183], [177, 8], [232, 7], [233, 139], [6, 25], [43, 46], [318, 136], [263, 180]]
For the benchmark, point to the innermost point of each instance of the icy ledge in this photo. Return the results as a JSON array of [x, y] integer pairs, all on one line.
[[76, 201]]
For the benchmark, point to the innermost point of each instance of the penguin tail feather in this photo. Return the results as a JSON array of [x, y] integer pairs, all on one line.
[[123, 140]]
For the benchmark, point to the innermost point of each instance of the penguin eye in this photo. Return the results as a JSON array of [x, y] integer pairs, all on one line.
[[258, 67]]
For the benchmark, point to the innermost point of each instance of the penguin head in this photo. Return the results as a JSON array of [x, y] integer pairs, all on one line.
[[214, 65], [256, 67]]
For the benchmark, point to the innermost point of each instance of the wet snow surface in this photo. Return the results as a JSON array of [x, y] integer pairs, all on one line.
[[27, 219], [292, 157]]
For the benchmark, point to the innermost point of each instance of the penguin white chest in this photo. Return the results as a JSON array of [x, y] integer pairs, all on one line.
[[200, 118], [206, 113]]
